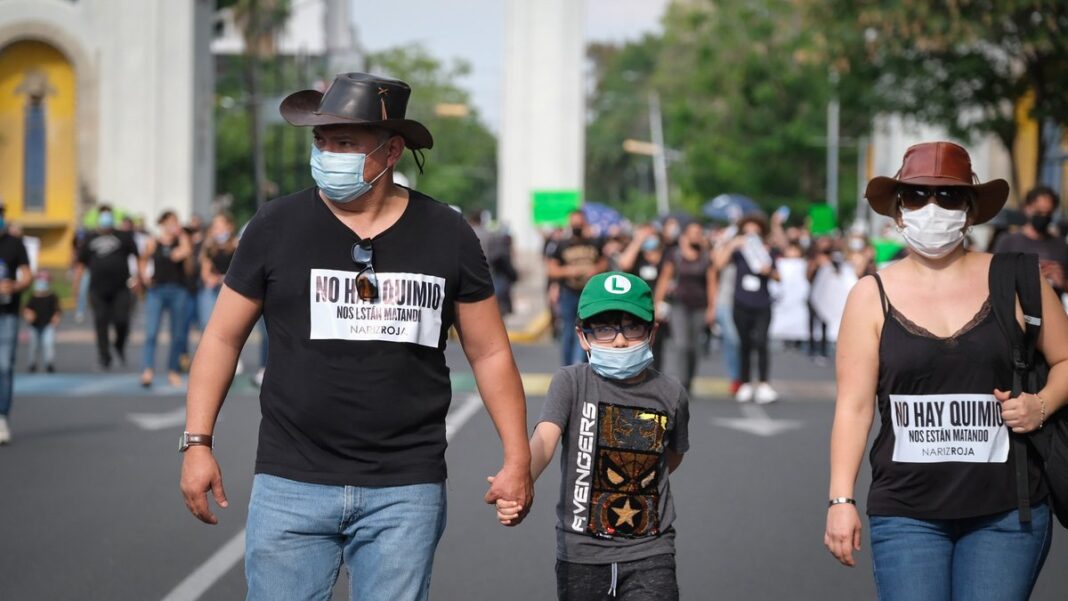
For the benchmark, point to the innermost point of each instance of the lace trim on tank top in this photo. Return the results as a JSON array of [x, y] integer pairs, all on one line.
[[918, 330]]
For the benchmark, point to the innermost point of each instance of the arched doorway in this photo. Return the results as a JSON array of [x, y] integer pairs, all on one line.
[[38, 144]]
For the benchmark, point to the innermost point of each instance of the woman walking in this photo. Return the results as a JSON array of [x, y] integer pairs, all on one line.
[[687, 283], [171, 254], [219, 248], [921, 338], [754, 267]]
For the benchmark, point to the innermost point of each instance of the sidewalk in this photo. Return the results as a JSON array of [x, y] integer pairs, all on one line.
[[530, 319]]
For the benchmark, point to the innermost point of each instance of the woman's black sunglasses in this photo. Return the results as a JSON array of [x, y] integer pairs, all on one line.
[[953, 198], [366, 279]]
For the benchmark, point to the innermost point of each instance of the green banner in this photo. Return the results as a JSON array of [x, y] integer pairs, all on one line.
[[551, 207], [821, 219]]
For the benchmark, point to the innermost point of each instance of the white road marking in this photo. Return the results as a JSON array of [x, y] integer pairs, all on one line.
[[158, 421], [757, 421], [204, 577]]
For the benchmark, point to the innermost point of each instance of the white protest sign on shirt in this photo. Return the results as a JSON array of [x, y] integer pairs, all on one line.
[[755, 254], [789, 308], [940, 428], [830, 288], [33, 250], [408, 308]]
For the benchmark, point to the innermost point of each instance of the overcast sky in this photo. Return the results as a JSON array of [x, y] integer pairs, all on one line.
[[474, 31]]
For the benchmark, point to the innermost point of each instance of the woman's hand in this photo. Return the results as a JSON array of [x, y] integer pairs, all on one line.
[[1022, 414], [843, 532]]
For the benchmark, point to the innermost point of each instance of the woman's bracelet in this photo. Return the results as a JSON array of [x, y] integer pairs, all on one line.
[[1042, 408], [841, 500]]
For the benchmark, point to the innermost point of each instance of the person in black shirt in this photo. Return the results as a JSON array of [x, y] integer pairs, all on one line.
[[920, 343], [42, 313], [218, 251], [1035, 237], [105, 253], [359, 281], [14, 278], [171, 255], [575, 260]]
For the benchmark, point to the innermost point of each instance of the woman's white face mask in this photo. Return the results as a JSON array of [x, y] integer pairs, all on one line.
[[932, 231]]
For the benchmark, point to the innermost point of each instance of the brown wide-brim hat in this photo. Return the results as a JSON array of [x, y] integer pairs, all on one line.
[[358, 99], [938, 164]]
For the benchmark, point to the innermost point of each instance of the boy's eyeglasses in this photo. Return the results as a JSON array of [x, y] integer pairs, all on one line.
[[952, 198], [607, 333], [366, 279]]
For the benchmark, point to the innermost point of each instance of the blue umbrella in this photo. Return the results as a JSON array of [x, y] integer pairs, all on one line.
[[730, 207], [601, 217]]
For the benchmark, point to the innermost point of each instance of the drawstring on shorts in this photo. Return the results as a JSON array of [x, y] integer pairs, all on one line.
[[615, 579]]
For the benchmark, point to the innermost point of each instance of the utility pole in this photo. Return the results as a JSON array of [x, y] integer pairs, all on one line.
[[660, 174], [832, 144]]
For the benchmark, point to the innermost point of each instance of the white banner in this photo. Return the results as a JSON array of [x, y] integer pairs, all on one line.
[[830, 289], [789, 309], [408, 308], [940, 428]]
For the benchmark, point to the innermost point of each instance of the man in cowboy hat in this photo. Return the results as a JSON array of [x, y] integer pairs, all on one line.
[[359, 280]]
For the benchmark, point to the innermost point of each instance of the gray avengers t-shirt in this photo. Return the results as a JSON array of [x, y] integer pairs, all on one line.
[[615, 500]]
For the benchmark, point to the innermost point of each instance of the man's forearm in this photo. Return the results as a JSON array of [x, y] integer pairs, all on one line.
[[209, 379], [502, 392]]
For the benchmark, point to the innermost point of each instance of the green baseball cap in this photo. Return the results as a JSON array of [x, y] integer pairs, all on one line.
[[616, 291]]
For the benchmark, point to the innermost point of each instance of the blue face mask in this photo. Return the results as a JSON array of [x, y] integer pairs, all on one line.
[[106, 221], [340, 174], [650, 244], [620, 363], [40, 286]]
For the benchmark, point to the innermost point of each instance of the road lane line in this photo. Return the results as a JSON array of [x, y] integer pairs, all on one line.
[[204, 577]]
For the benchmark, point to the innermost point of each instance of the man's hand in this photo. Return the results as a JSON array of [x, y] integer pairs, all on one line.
[[1052, 271], [200, 473], [512, 484], [509, 513], [7, 286]]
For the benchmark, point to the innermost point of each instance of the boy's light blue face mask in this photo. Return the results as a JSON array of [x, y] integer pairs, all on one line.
[[620, 363], [340, 174]]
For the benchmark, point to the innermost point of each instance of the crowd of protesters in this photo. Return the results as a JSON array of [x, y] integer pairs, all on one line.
[[719, 282]]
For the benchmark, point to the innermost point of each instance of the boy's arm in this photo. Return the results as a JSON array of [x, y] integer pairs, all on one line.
[[674, 460], [543, 446]]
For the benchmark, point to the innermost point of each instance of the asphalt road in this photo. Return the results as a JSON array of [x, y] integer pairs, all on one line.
[[90, 507]]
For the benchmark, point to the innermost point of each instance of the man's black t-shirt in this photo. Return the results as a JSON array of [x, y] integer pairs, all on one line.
[[356, 392], [577, 251], [105, 254], [44, 308], [13, 255]]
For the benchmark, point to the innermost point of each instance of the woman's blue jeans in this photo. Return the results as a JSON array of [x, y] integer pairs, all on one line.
[[172, 299], [299, 534], [973, 559]]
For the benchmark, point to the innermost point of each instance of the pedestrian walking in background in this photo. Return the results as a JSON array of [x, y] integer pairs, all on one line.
[[81, 291], [1036, 236], [195, 230], [576, 259], [42, 314], [14, 278], [215, 257], [105, 259], [724, 307], [359, 281], [686, 288], [920, 342], [171, 253], [821, 254], [754, 267], [615, 535], [642, 257]]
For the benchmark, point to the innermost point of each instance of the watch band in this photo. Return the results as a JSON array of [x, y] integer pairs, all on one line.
[[189, 440], [841, 500]]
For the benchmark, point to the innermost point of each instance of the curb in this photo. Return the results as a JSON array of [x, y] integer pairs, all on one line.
[[534, 331]]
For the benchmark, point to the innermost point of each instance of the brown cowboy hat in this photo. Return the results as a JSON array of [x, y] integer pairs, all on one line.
[[938, 164], [358, 99]]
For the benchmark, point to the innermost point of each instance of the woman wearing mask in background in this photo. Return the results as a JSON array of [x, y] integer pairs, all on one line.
[[918, 338], [642, 257], [754, 267], [171, 254], [686, 288], [219, 248]]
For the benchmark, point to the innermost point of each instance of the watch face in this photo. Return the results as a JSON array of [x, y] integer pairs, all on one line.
[[182, 445]]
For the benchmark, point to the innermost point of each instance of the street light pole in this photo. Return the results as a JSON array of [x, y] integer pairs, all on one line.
[[832, 145], [660, 175]]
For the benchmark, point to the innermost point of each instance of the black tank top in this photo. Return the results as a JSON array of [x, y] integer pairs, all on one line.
[[166, 270], [942, 451]]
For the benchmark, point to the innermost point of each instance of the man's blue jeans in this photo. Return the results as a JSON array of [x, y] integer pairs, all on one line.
[[973, 559], [299, 534], [9, 338], [731, 342], [171, 298], [567, 308]]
